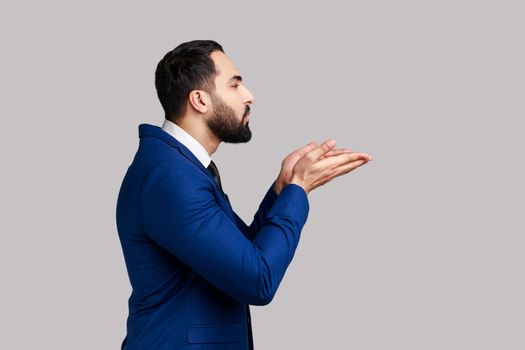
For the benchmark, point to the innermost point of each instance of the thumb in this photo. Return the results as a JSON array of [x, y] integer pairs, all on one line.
[[323, 148]]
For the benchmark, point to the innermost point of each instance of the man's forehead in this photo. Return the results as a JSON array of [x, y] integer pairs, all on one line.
[[225, 67]]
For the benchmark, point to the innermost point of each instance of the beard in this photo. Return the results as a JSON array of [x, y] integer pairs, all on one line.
[[225, 125]]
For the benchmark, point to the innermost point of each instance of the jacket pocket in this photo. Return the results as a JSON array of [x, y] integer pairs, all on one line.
[[218, 334]]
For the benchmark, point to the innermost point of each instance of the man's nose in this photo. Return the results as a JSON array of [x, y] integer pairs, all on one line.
[[249, 99]]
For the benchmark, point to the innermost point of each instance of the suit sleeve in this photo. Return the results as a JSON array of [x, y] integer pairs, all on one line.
[[180, 214], [253, 229]]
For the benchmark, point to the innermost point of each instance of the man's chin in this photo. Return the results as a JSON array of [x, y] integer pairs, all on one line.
[[246, 137]]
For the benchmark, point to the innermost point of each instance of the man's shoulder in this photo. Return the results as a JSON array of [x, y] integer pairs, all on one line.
[[161, 165]]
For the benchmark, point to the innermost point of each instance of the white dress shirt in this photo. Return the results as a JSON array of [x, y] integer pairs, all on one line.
[[187, 140]]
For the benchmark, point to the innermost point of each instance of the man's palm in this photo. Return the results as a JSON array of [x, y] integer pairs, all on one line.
[[288, 163]]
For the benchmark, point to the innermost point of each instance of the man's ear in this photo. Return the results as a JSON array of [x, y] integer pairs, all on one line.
[[200, 100]]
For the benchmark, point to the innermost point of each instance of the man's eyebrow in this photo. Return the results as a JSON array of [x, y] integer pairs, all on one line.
[[235, 78]]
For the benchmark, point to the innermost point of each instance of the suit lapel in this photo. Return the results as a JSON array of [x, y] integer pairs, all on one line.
[[146, 130]]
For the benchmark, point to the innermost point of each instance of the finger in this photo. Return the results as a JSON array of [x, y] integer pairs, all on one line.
[[336, 172], [341, 159], [305, 149], [332, 152], [346, 168], [342, 170], [335, 152], [320, 150], [366, 156]]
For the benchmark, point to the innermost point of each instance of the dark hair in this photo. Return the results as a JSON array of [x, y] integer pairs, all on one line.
[[185, 68]]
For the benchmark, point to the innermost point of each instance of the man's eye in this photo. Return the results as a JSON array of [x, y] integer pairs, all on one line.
[[236, 85]]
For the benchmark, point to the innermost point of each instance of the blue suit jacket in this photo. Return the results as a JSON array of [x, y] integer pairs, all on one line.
[[193, 264]]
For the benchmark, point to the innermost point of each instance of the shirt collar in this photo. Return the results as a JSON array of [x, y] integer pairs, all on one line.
[[187, 140]]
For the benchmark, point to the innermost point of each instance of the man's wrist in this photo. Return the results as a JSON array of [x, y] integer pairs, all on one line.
[[277, 187], [299, 183]]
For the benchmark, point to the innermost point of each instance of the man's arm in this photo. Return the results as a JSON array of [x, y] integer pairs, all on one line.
[[180, 214], [253, 229], [273, 192]]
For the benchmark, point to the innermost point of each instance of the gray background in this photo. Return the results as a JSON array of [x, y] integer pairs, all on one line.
[[420, 249]]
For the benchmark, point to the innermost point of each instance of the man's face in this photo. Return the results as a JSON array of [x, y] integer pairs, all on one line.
[[231, 102]]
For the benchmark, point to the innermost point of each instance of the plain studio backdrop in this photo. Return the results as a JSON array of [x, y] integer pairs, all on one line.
[[420, 249]]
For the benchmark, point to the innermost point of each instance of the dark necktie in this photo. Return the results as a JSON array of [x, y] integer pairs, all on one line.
[[212, 168]]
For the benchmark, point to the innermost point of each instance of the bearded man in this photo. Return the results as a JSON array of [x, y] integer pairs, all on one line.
[[194, 265]]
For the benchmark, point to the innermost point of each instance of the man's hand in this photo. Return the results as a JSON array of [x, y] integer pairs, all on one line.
[[323, 163], [287, 165]]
